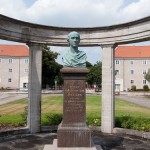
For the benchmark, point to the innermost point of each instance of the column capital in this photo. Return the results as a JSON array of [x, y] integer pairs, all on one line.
[[34, 44], [114, 45]]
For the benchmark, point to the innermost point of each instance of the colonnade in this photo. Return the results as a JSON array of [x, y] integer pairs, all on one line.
[[34, 103], [35, 35]]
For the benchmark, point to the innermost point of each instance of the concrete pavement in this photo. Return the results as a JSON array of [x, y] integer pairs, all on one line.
[[139, 100], [106, 141], [9, 97]]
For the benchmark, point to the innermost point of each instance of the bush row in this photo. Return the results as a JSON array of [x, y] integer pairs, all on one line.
[[145, 88], [141, 124]]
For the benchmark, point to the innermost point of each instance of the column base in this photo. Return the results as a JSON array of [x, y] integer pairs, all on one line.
[[54, 147], [74, 136]]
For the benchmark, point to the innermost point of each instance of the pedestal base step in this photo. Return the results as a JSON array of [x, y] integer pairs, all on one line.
[[54, 147]]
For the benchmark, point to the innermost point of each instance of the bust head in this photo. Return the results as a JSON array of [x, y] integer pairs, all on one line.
[[74, 39], [74, 57]]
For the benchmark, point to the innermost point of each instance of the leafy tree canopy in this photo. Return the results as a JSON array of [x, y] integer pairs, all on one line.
[[50, 68], [147, 76], [95, 74]]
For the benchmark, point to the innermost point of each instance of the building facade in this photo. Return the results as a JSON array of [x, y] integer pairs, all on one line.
[[14, 66], [131, 64]]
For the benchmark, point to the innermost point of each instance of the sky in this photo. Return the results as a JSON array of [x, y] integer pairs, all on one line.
[[76, 13]]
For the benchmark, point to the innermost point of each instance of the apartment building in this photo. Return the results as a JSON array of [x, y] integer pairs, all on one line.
[[131, 64], [14, 66]]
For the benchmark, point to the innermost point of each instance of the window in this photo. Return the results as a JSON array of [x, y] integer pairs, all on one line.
[[132, 81], [116, 72], [117, 62], [10, 69], [144, 62], [25, 85], [9, 80], [26, 70], [144, 81], [26, 61], [131, 62], [117, 87], [132, 71], [0, 60], [144, 71], [10, 60]]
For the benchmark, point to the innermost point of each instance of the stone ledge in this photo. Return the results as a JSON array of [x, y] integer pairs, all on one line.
[[141, 134], [25, 131], [12, 134], [54, 147], [74, 70]]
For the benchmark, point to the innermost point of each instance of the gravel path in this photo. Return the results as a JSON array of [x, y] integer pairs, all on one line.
[[9, 97], [106, 141], [139, 100]]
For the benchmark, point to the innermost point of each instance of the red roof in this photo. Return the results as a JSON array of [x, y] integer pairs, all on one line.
[[14, 50], [132, 52]]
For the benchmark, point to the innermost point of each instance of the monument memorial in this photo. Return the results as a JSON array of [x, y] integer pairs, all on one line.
[[73, 131]]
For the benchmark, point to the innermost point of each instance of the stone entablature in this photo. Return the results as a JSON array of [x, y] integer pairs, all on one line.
[[15, 30]]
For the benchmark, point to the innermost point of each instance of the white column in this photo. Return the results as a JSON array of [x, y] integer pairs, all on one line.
[[108, 88], [34, 98]]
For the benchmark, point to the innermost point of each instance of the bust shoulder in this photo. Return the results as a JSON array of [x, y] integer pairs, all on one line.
[[74, 59]]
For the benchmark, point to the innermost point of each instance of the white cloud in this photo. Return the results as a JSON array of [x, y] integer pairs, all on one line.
[[73, 12], [15, 9], [76, 12], [135, 10], [79, 13]]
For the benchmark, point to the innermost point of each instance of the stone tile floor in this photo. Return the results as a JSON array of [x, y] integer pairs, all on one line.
[[107, 142]]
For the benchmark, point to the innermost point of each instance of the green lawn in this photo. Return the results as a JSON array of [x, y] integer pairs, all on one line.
[[126, 113]]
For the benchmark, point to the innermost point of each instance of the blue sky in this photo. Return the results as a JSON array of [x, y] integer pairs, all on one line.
[[76, 13]]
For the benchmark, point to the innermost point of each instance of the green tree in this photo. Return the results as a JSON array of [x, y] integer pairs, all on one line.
[[147, 76], [50, 68], [88, 65], [95, 74]]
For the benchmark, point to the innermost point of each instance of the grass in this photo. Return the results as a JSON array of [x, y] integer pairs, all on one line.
[[11, 113], [123, 108]]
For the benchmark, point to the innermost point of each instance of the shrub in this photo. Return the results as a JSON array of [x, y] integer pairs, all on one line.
[[94, 120], [53, 119], [133, 88], [129, 122], [24, 115], [145, 88], [2, 88], [140, 90]]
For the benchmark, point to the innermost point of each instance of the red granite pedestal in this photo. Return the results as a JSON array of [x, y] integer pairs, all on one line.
[[73, 131]]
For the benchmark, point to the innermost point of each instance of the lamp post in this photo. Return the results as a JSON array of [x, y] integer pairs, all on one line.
[[55, 84]]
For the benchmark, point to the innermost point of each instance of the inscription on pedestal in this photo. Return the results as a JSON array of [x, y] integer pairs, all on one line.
[[74, 101]]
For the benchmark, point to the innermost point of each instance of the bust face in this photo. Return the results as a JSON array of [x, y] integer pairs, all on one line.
[[74, 39]]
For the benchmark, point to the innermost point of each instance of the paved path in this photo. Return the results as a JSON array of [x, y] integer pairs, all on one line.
[[9, 97], [139, 100], [106, 141]]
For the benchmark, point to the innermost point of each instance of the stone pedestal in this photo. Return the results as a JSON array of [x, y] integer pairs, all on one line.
[[55, 147], [73, 131]]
